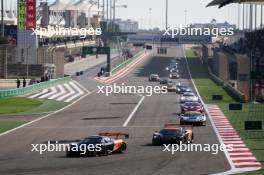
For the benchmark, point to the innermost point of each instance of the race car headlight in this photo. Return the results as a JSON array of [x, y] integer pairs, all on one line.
[[202, 118]]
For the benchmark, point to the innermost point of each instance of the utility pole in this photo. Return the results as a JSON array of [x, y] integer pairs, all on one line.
[[98, 6], [150, 14], [185, 17], [111, 19], [103, 10]]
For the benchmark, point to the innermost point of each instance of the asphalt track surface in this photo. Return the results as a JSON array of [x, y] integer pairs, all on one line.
[[98, 113]]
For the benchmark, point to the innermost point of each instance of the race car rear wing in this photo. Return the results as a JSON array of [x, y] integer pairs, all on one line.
[[175, 126], [117, 135]]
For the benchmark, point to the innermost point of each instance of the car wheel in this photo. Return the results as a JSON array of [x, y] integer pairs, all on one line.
[[104, 151], [69, 154], [155, 142], [122, 148], [189, 141]]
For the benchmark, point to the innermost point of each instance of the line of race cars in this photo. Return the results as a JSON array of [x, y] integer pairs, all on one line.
[[192, 113]]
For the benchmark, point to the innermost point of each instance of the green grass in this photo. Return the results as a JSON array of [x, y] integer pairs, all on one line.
[[5, 126], [24, 106], [259, 172], [17, 105], [21, 105], [207, 88], [48, 106]]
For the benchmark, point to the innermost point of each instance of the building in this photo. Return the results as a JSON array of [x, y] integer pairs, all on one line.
[[213, 24], [127, 25]]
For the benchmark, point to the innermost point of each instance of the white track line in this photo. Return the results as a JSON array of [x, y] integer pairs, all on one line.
[[46, 116], [62, 92], [39, 94], [53, 91], [79, 84], [134, 111], [80, 92], [71, 92], [233, 169]]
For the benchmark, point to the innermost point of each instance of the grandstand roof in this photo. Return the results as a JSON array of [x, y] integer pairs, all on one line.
[[221, 3], [60, 5], [84, 5]]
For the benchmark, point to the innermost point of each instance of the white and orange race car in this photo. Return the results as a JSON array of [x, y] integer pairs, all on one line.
[[115, 144], [102, 143]]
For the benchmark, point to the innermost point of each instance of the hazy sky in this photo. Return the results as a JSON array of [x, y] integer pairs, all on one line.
[[196, 12]]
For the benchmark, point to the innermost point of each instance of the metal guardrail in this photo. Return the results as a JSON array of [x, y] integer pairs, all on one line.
[[125, 63], [32, 88], [236, 93]]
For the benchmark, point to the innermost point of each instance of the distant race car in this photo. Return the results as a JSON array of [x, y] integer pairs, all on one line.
[[174, 71], [103, 141], [182, 89], [164, 81], [176, 82], [178, 58], [194, 118], [174, 75], [171, 87], [192, 106], [172, 66], [188, 97], [173, 133], [174, 61], [154, 77]]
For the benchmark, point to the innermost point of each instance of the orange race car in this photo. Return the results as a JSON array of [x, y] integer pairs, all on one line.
[[99, 145], [173, 133]]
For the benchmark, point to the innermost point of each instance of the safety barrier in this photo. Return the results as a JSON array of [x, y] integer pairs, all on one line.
[[234, 92], [32, 88], [125, 63]]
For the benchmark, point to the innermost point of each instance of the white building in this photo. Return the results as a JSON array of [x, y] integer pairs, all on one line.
[[127, 25]]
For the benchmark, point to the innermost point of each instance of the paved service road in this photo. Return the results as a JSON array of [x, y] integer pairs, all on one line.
[[96, 113]]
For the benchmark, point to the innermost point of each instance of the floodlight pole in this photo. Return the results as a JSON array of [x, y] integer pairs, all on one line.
[[2, 19], [243, 17], [250, 17], [166, 14], [238, 16], [107, 10], [255, 16], [114, 15], [261, 17]]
